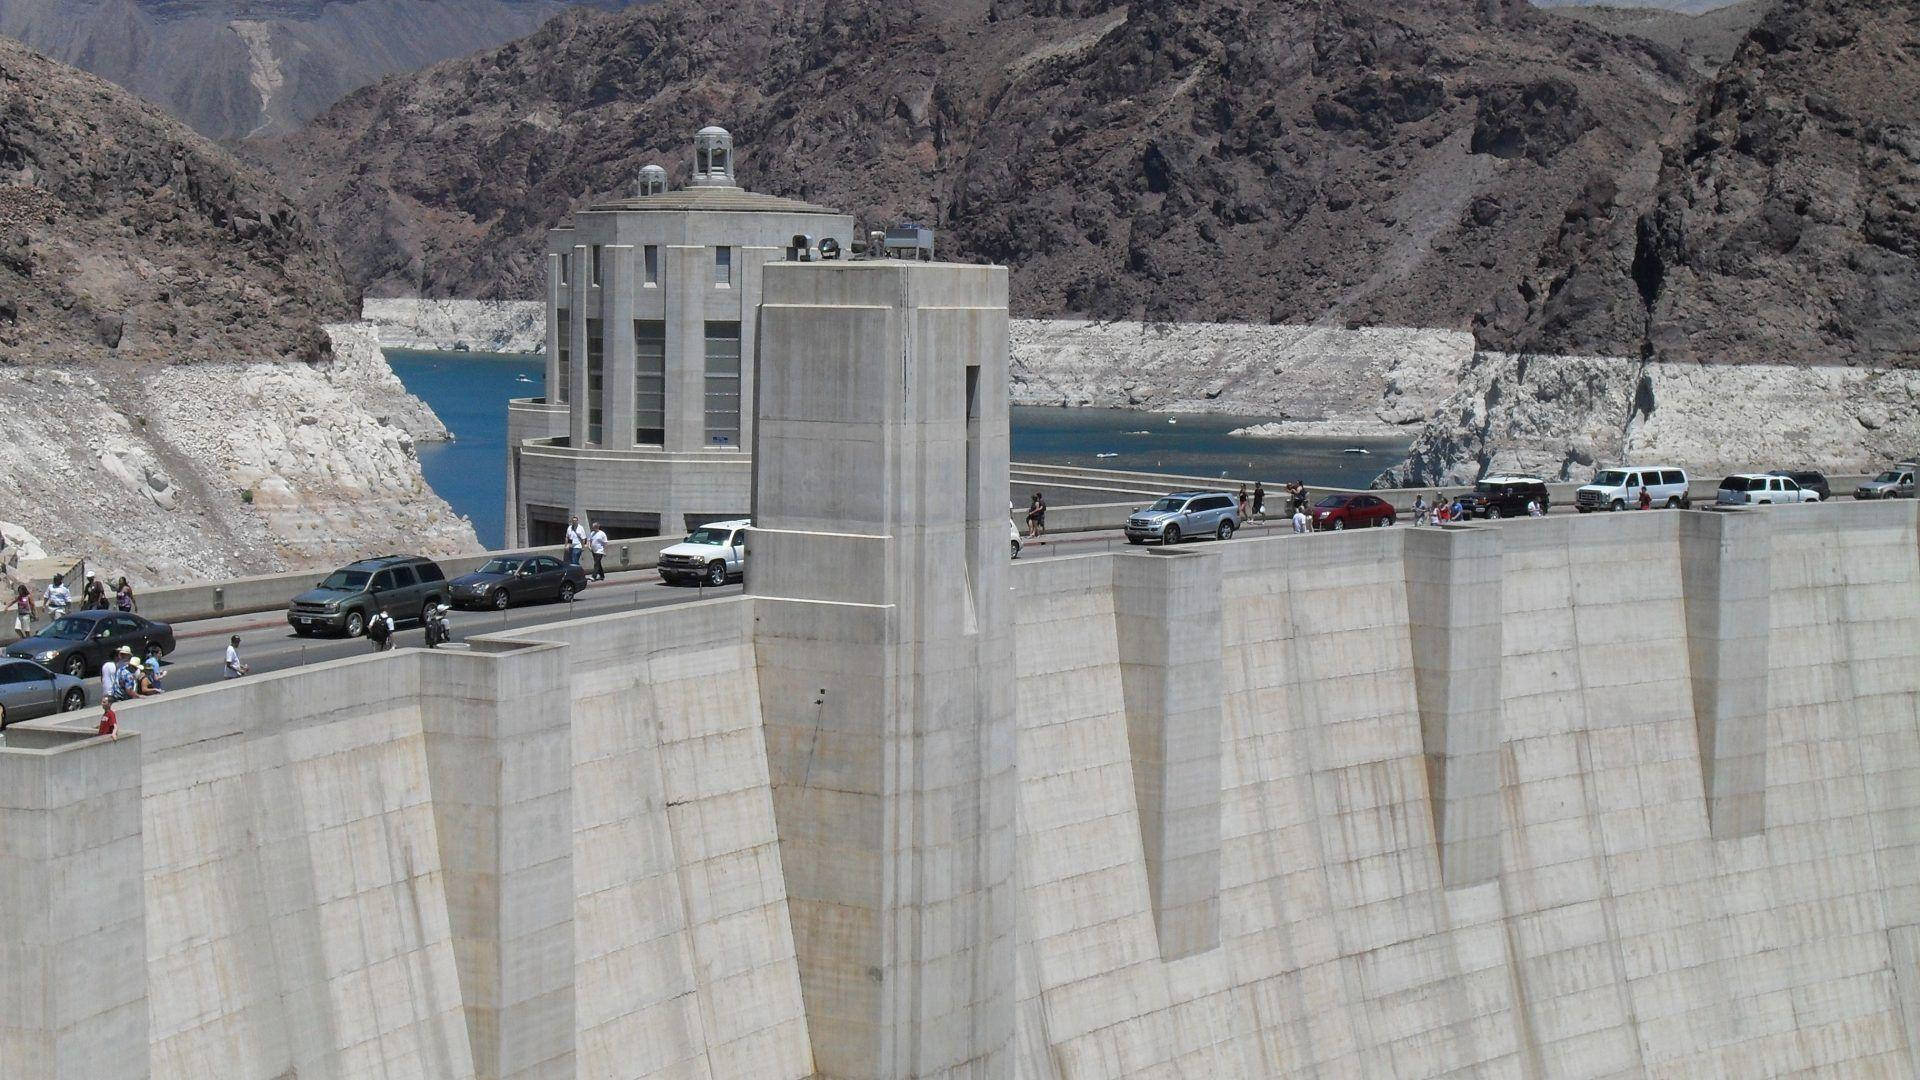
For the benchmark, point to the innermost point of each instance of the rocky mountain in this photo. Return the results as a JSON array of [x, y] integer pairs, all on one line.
[[1229, 160], [233, 68], [1784, 225], [178, 404]]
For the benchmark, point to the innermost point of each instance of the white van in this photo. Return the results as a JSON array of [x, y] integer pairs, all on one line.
[[1619, 489]]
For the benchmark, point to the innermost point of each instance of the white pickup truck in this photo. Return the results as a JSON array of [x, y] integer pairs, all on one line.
[[713, 554], [1746, 489]]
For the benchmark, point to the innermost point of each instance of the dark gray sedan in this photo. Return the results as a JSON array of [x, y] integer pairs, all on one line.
[[79, 643], [512, 579], [28, 690]]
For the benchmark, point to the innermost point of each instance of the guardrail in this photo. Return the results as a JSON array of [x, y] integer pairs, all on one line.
[[271, 592]]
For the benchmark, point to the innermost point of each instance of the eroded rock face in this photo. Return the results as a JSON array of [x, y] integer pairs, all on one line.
[[1784, 226], [1233, 160]]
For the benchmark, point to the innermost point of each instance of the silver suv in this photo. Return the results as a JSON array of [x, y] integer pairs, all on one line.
[[1185, 514], [1894, 483]]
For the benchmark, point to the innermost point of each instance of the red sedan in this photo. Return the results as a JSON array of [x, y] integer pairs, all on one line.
[[1338, 512]]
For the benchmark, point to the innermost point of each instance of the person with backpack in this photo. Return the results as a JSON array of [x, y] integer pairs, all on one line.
[[380, 632], [22, 613]]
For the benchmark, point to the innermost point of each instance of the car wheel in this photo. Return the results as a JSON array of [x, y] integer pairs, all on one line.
[[1016, 548], [73, 699], [716, 573], [1225, 531], [426, 610], [356, 624], [566, 592], [1340, 525], [77, 666], [1171, 536], [1497, 512], [1617, 505], [1673, 502], [499, 599]]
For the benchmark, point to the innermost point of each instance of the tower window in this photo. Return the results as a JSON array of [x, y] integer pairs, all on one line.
[[723, 266], [564, 319], [595, 356], [596, 264], [649, 382], [653, 264], [723, 384], [564, 268]]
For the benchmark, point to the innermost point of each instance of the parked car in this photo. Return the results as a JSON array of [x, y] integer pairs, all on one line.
[[505, 580], [1506, 496], [1894, 483], [1185, 514], [712, 553], [1808, 479], [1742, 489], [79, 643], [1339, 512], [1619, 489], [28, 690], [403, 586]]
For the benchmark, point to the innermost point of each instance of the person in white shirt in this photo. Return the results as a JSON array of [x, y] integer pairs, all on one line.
[[110, 674], [235, 668], [1299, 519], [56, 598], [576, 539], [1533, 508], [597, 543]]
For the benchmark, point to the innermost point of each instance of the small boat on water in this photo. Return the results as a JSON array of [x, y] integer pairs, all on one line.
[[521, 378], [1106, 455], [1357, 450]]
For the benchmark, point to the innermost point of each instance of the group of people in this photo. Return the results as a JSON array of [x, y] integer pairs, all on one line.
[[579, 539], [125, 677], [57, 599]]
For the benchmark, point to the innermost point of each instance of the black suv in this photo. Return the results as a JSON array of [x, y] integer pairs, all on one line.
[[1808, 479], [1506, 496], [403, 586]]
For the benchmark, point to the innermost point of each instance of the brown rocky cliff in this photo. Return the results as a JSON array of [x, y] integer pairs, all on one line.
[[1230, 159], [1785, 223], [125, 236]]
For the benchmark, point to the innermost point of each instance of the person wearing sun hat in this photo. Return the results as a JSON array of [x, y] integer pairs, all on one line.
[[110, 673]]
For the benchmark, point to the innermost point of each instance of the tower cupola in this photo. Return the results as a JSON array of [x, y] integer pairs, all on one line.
[[653, 181], [713, 158]]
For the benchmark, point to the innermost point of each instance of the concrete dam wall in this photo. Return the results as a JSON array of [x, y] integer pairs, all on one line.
[[1621, 795]]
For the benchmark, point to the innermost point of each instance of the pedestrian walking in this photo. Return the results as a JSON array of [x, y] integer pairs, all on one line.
[[22, 613], [126, 685], [1245, 502], [110, 673], [1419, 510], [123, 596], [1533, 508], [1260, 500], [235, 667], [1299, 518], [93, 595], [1037, 516], [598, 543], [380, 632], [57, 598], [1646, 498], [576, 540]]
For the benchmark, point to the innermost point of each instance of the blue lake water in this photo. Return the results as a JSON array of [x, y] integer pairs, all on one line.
[[470, 392]]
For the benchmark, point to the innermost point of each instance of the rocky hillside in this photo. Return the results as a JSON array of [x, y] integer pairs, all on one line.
[[233, 68], [1258, 160], [125, 236], [1784, 226], [177, 405]]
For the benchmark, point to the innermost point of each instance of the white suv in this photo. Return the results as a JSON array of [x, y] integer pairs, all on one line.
[[1742, 489], [712, 553], [1619, 489]]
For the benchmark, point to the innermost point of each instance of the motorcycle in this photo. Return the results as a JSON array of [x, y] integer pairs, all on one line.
[[439, 630]]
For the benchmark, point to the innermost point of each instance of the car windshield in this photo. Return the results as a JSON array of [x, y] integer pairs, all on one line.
[[1888, 477], [500, 566], [1611, 478], [1168, 504], [68, 629], [708, 535], [350, 580], [1335, 500]]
